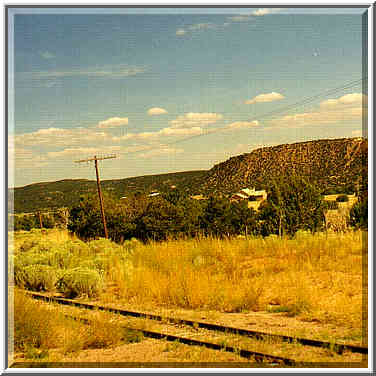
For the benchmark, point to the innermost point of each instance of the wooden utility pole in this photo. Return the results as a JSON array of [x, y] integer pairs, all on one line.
[[40, 220], [96, 159]]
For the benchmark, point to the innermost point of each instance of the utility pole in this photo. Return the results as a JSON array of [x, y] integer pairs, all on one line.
[[96, 159], [40, 220]]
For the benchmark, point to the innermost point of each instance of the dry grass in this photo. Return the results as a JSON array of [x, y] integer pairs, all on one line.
[[40, 328], [313, 277], [317, 277]]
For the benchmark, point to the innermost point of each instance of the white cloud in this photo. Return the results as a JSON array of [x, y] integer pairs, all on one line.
[[348, 99], [113, 122], [181, 131], [321, 117], [265, 11], [108, 71], [358, 132], [242, 18], [243, 124], [193, 119], [54, 137], [80, 151], [164, 150], [157, 111], [262, 98], [331, 111], [20, 158], [201, 26], [195, 28], [165, 132], [47, 55]]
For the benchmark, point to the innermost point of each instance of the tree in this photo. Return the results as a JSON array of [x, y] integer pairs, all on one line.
[[359, 214], [85, 218], [217, 217], [243, 219], [160, 220], [25, 222], [293, 203]]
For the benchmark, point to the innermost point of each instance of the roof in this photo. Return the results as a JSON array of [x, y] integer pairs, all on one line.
[[252, 192], [242, 195], [154, 194]]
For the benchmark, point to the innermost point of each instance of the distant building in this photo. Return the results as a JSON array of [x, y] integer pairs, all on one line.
[[153, 194], [254, 198], [198, 197]]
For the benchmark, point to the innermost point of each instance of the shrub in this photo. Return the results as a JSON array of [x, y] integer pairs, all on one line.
[[359, 214], [330, 205], [37, 277], [102, 245], [33, 324], [28, 244], [80, 281]]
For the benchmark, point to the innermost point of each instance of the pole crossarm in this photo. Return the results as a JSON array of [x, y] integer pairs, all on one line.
[[96, 158]]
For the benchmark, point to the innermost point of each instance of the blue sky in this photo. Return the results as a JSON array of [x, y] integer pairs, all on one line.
[[175, 90]]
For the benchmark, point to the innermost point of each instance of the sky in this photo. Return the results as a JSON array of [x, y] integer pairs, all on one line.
[[170, 90]]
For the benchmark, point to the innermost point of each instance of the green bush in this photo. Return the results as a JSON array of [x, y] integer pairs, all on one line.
[[37, 277], [77, 247], [28, 244], [80, 281], [359, 214], [103, 245], [330, 205]]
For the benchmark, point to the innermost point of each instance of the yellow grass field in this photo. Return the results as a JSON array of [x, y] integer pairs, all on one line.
[[314, 277], [310, 285]]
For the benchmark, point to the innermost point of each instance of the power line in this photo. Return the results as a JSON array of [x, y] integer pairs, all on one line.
[[279, 111]]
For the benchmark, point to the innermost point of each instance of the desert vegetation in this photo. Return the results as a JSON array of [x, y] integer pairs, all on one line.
[[174, 252], [38, 330], [310, 276]]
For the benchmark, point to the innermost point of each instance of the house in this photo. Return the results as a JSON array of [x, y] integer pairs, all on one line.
[[153, 194], [254, 198], [198, 197]]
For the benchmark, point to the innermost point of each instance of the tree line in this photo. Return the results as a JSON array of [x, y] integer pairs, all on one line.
[[293, 204]]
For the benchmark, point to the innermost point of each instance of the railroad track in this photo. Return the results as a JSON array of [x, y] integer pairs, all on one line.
[[258, 335], [258, 356]]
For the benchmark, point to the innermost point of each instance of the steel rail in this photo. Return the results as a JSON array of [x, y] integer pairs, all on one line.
[[244, 353], [337, 347]]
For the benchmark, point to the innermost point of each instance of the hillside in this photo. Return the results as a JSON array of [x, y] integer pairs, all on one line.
[[63, 193], [335, 165]]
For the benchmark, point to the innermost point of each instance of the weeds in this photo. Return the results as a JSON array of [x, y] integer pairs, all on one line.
[[312, 276], [80, 281]]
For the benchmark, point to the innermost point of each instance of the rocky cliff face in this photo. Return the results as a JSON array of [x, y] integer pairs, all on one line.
[[339, 165]]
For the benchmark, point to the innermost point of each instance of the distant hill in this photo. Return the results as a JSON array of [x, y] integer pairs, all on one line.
[[335, 165], [64, 193]]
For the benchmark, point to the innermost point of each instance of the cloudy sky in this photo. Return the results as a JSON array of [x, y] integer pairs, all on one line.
[[175, 90]]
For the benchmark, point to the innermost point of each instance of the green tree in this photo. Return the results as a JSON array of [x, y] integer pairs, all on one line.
[[160, 220], [243, 219], [25, 222], [293, 203], [359, 214], [217, 217], [85, 218]]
